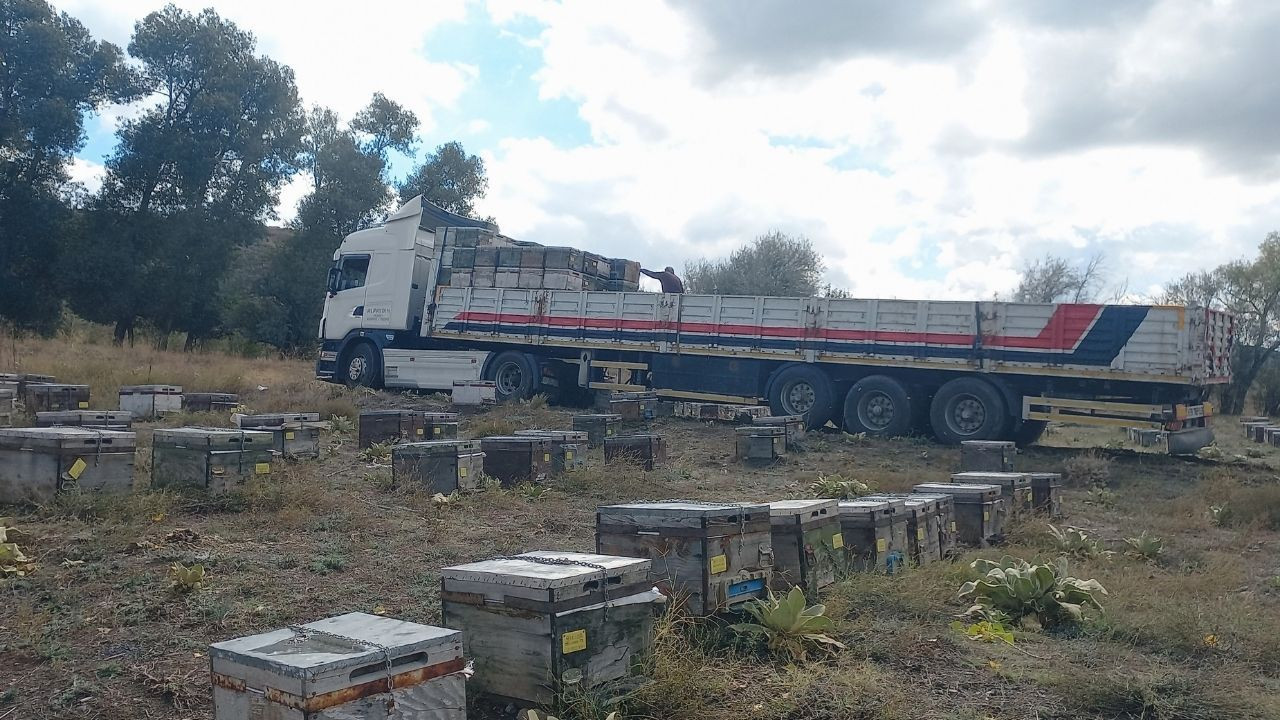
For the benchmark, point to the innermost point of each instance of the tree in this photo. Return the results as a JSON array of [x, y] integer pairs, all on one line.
[[772, 264], [192, 178], [1053, 279], [51, 73], [449, 178]]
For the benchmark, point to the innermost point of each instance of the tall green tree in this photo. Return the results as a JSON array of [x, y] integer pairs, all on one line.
[[193, 178], [51, 72], [449, 178], [773, 264]]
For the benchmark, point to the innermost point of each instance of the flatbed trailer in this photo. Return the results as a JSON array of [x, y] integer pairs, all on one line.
[[955, 370]]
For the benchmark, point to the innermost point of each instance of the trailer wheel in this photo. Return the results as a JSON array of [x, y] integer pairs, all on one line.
[[803, 390], [361, 365], [878, 405], [1029, 432], [516, 375], [967, 409]]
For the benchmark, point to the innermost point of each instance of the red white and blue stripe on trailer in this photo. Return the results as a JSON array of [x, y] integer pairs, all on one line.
[[1075, 334]]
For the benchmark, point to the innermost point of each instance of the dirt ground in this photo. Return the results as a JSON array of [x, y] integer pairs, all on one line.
[[95, 631]]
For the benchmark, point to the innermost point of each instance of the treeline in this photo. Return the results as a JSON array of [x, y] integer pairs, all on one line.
[[175, 240]]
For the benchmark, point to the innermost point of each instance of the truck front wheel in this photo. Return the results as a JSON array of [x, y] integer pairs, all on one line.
[[878, 405], [361, 365], [967, 408]]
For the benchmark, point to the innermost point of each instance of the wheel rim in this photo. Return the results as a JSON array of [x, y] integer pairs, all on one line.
[[800, 398], [356, 367], [876, 411], [510, 379], [966, 414]]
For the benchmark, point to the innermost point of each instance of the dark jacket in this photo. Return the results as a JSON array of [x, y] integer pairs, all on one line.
[[670, 282]]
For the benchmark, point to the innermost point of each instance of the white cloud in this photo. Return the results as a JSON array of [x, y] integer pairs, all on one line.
[[86, 173], [908, 175]]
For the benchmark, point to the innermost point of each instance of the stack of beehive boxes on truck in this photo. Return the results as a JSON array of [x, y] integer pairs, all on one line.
[[475, 257]]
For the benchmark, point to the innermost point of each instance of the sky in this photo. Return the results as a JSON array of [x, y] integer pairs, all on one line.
[[928, 149]]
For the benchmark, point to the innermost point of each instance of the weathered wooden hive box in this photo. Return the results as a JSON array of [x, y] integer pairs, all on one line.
[[1248, 427], [10, 381], [1271, 434], [55, 396], [1016, 488], [761, 442], [439, 426], [792, 424], [923, 537], [150, 401], [98, 419], [294, 435], [741, 414], [475, 392], [649, 451], [597, 426], [1046, 493], [868, 527], [210, 402], [217, 460], [513, 459], [808, 546], [945, 526], [632, 406], [980, 510], [37, 463], [8, 405], [20, 381], [571, 447], [350, 667], [541, 621], [987, 455], [443, 466], [709, 556], [393, 426], [1259, 431]]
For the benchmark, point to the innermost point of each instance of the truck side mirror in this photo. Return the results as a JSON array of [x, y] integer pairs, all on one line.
[[335, 277]]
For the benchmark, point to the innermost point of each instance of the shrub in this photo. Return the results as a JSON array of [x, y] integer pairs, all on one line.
[[186, 579], [12, 560], [788, 626], [1087, 470], [1074, 541], [986, 631], [1259, 504], [1147, 547], [1042, 595], [377, 453], [837, 487]]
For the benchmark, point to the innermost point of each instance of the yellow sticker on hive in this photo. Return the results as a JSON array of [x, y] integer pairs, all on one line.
[[262, 468], [288, 436], [462, 472], [953, 526], [719, 564], [920, 534], [608, 431], [546, 457], [986, 515], [837, 541], [436, 431], [420, 431], [77, 468], [882, 545], [573, 641], [568, 454], [83, 405]]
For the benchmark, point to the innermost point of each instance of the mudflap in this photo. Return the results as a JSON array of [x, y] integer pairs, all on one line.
[[1189, 441]]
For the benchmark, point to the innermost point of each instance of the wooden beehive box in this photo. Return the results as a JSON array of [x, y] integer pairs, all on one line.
[[987, 456], [761, 442], [475, 392], [597, 426], [792, 424], [353, 666], [8, 405], [1046, 493], [1259, 431], [980, 510], [868, 527], [55, 396], [513, 459], [923, 536], [443, 466], [150, 401], [216, 460], [632, 406], [571, 447], [210, 402], [294, 435], [98, 419], [808, 546], [709, 556], [390, 426], [946, 520], [439, 426], [539, 622], [1016, 487], [650, 451], [38, 463], [1248, 427], [25, 379]]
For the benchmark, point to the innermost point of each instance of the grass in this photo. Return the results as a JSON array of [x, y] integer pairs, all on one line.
[[1194, 636]]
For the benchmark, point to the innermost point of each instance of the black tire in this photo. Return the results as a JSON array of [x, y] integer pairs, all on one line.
[[516, 374], [1029, 432], [803, 390], [361, 366], [878, 405], [968, 408]]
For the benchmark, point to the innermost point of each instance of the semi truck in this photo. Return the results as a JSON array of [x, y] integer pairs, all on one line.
[[953, 370]]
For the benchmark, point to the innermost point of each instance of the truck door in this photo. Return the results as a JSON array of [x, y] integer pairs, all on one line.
[[344, 308]]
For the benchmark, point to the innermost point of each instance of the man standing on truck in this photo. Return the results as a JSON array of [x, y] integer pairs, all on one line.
[[670, 281]]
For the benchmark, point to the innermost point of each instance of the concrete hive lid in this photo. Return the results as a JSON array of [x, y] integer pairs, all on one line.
[[67, 437], [437, 447], [789, 508], [150, 389], [959, 489], [682, 508], [561, 572], [862, 505]]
